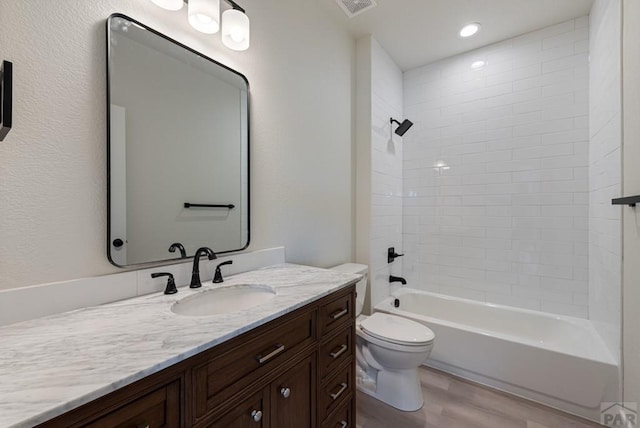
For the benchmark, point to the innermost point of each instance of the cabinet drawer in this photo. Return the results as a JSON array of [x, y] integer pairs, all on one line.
[[335, 390], [249, 357], [336, 312], [335, 351], [158, 409], [342, 418]]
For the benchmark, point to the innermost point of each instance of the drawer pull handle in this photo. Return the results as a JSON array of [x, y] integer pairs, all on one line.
[[335, 395], [339, 314], [270, 355], [342, 350], [256, 415], [285, 392], [144, 425], [343, 424]]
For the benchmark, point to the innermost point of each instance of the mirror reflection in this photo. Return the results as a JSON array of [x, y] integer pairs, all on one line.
[[178, 149]]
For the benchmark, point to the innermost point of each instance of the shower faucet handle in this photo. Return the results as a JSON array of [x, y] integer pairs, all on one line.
[[392, 255]]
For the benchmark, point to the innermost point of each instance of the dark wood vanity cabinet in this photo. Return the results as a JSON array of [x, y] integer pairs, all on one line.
[[296, 371]]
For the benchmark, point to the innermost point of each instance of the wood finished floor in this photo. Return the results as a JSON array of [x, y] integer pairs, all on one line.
[[451, 402]]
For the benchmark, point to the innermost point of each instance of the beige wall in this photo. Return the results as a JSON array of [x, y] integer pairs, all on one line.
[[631, 186], [52, 164]]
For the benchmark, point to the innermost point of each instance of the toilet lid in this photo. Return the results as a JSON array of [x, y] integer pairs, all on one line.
[[395, 329]]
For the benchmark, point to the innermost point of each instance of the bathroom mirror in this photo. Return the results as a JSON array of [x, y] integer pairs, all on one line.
[[178, 125]]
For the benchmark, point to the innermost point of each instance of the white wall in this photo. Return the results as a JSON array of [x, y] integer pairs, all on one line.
[[379, 165], [52, 164], [495, 173], [631, 186], [605, 172]]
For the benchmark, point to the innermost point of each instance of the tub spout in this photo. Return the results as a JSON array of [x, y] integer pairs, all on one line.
[[397, 279]]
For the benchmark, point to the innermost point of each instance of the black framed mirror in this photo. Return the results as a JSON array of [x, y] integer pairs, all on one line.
[[178, 149]]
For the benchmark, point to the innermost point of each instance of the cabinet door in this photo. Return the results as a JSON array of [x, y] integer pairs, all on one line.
[[250, 413], [293, 396]]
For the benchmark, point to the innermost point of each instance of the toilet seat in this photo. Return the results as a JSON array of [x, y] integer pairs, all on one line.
[[393, 346], [396, 330]]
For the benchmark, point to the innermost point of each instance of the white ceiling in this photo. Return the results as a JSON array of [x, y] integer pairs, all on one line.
[[417, 32]]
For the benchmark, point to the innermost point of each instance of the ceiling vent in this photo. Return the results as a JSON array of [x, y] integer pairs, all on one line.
[[355, 7]]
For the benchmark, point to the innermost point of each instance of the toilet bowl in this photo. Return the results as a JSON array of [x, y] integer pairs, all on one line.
[[389, 350]]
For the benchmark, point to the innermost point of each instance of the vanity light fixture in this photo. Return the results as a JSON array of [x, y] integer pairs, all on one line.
[[469, 30], [204, 16]]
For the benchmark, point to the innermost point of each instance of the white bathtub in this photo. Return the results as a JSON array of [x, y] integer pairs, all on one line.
[[556, 360]]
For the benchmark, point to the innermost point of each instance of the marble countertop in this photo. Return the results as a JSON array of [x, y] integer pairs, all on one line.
[[51, 365]]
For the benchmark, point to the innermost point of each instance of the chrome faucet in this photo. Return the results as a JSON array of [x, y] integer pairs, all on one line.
[[397, 279], [195, 274]]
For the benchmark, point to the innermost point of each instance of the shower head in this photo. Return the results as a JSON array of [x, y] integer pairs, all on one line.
[[403, 127]]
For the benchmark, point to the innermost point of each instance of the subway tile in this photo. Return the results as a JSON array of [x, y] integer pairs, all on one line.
[[565, 309], [565, 39], [543, 151], [565, 63], [545, 127]]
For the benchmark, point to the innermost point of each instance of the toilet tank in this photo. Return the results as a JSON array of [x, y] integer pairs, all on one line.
[[361, 286]]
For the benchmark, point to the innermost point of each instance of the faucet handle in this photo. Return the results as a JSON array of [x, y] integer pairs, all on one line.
[[392, 255], [217, 276], [171, 284]]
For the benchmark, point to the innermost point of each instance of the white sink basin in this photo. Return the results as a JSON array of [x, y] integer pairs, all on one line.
[[224, 300]]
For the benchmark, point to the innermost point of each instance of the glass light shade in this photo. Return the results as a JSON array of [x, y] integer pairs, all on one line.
[[235, 30], [169, 4], [204, 15]]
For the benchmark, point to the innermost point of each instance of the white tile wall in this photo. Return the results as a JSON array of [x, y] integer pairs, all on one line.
[[495, 172], [386, 170], [605, 173]]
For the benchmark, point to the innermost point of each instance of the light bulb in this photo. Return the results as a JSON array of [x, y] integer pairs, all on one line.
[[169, 4], [204, 18], [204, 15], [236, 36]]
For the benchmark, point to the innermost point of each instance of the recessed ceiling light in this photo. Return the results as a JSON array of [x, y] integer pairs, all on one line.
[[478, 64], [469, 29]]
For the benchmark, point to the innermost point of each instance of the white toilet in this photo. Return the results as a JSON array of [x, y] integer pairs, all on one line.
[[389, 351]]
